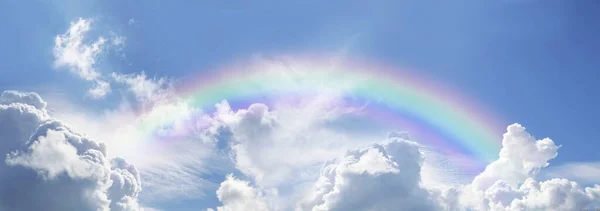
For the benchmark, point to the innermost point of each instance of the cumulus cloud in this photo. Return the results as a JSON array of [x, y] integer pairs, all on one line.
[[48, 166], [125, 187], [521, 157], [160, 139], [24, 98], [387, 176], [509, 183], [379, 177], [270, 147], [286, 134], [237, 194]]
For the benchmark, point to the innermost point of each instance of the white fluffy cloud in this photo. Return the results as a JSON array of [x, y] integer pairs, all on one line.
[[170, 162], [50, 167], [73, 50], [521, 157], [237, 194], [509, 182], [387, 176], [379, 177], [271, 146], [79, 53], [125, 128]]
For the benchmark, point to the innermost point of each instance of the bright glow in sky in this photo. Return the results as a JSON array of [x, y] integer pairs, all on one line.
[[337, 105]]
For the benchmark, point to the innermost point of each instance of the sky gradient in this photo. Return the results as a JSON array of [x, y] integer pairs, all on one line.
[[528, 62]]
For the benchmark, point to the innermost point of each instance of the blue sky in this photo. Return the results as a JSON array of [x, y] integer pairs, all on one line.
[[531, 62]]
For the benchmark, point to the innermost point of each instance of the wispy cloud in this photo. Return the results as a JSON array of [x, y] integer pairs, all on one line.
[[147, 90], [79, 52], [74, 51], [583, 172], [71, 50]]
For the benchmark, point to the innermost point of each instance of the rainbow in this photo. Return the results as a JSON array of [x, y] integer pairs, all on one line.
[[436, 114]]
